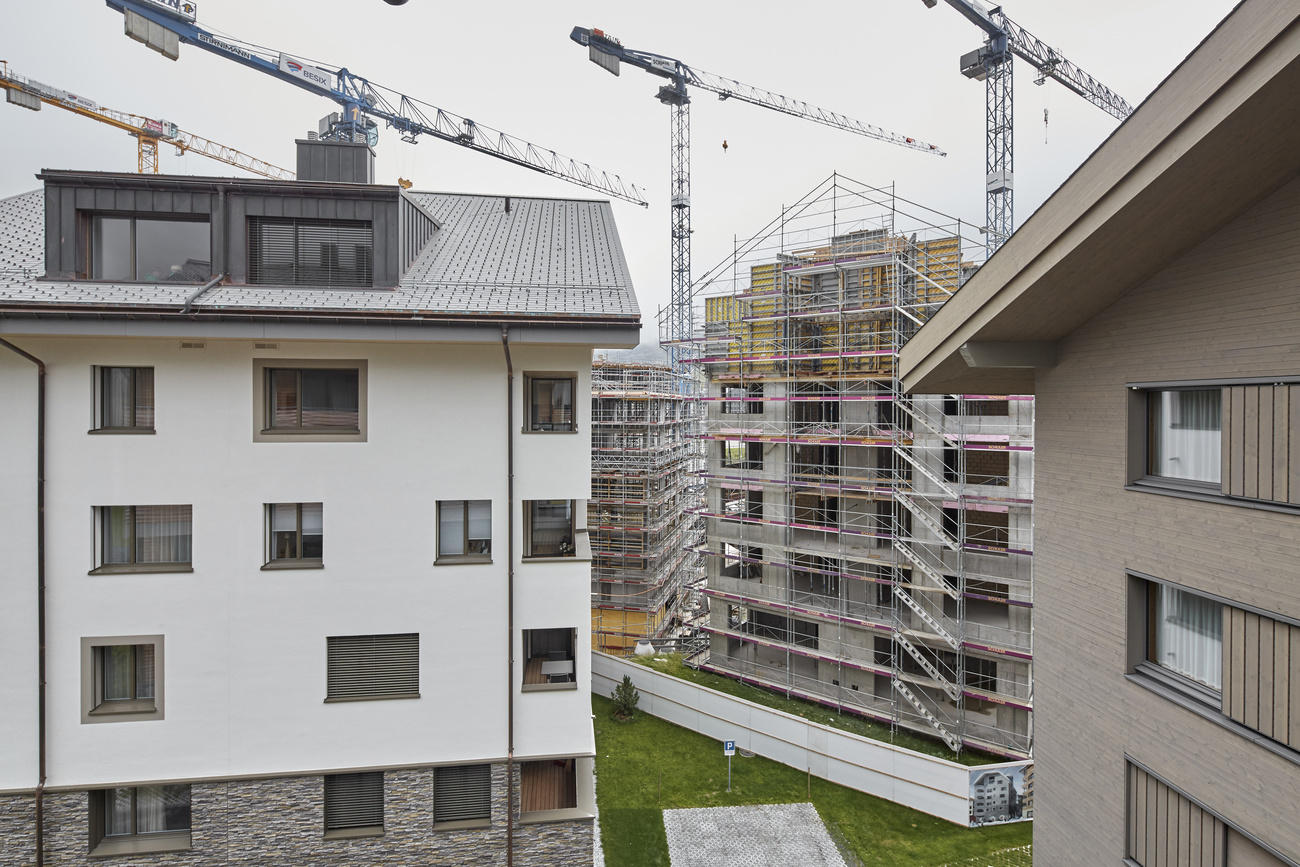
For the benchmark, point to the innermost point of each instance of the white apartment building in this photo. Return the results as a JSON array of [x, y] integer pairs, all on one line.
[[313, 461]]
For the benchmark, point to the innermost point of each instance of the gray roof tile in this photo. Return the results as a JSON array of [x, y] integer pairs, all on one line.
[[544, 257]]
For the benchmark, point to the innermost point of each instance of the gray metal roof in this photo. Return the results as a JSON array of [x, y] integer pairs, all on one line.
[[546, 257]]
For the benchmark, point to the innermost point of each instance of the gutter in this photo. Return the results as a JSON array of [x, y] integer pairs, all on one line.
[[40, 598], [510, 599], [189, 302]]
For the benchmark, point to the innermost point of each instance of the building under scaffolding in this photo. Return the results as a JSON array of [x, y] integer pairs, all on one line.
[[864, 548], [642, 517]]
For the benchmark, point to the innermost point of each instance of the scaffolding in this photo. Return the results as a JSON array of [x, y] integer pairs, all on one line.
[[643, 515], [864, 548]]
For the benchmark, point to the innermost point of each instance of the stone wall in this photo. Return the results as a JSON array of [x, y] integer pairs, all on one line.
[[281, 821]]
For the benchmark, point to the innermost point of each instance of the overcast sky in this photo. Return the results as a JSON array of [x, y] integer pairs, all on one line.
[[511, 65]]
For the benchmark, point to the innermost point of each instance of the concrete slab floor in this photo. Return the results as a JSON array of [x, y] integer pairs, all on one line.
[[765, 835]]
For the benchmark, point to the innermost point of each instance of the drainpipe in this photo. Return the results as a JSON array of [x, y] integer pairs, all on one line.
[[510, 600], [189, 302], [40, 597]]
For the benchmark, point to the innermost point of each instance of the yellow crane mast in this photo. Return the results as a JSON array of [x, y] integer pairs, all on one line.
[[29, 93]]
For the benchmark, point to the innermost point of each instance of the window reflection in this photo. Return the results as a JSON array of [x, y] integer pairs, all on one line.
[[150, 250]]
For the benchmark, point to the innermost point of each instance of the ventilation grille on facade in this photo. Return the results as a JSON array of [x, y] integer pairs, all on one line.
[[291, 252], [190, 344], [266, 346]]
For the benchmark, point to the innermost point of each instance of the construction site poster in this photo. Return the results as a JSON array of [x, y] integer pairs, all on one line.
[[1001, 793]]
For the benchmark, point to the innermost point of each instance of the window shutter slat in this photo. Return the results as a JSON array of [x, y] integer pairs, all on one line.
[[462, 792], [373, 666]]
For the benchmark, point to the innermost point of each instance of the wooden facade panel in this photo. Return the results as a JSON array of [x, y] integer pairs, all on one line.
[[1293, 715], [1235, 425], [1265, 677], [1227, 672], [1281, 443], [1237, 703], [1293, 443], [1165, 829], [1250, 443], [1250, 676], [1284, 680], [1265, 464]]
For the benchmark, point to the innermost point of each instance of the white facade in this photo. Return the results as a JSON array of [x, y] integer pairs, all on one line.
[[244, 656]]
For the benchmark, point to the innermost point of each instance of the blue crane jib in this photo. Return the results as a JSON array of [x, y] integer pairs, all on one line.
[[164, 24]]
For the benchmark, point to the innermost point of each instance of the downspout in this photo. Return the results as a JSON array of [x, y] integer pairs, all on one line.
[[189, 302], [510, 600], [40, 598]]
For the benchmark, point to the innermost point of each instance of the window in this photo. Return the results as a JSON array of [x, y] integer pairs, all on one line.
[[549, 659], [550, 402], [741, 455], [987, 531], [462, 794], [143, 539], [295, 533], [354, 804], [1186, 635], [365, 667], [121, 678], [315, 399], [550, 530], [309, 400], [124, 399], [742, 399], [322, 253], [136, 819], [465, 529], [150, 250], [1184, 434], [1223, 661]]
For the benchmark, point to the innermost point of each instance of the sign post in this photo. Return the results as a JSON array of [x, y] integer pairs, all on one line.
[[728, 750]]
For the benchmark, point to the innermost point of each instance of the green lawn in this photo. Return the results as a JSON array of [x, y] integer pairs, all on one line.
[[646, 765], [672, 664]]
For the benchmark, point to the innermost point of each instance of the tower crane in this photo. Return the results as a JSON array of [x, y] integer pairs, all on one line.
[[29, 93], [163, 25], [991, 63], [607, 52]]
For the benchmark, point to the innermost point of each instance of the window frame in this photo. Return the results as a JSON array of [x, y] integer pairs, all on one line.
[[273, 563], [1141, 640], [574, 531], [328, 248], [86, 253], [748, 402], [98, 373], [441, 559], [102, 843], [530, 379], [96, 709], [1138, 448], [263, 394], [346, 832], [484, 821], [526, 654], [340, 697], [99, 515]]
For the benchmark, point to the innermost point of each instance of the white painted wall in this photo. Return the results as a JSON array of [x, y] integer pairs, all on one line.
[[926, 783], [245, 649]]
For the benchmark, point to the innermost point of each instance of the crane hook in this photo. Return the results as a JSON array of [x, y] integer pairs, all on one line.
[[724, 145]]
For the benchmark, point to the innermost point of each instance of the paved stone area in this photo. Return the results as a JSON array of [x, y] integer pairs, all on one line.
[[768, 835]]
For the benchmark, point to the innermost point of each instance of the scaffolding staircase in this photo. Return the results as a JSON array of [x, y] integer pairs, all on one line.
[[948, 737], [926, 617], [926, 521], [919, 565]]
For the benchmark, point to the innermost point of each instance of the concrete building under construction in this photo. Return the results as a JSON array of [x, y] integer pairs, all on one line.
[[865, 548], [642, 518]]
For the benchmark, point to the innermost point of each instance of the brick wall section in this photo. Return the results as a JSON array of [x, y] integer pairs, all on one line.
[[281, 821]]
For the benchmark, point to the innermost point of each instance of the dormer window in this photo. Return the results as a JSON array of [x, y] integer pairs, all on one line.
[[298, 252], [137, 249]]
